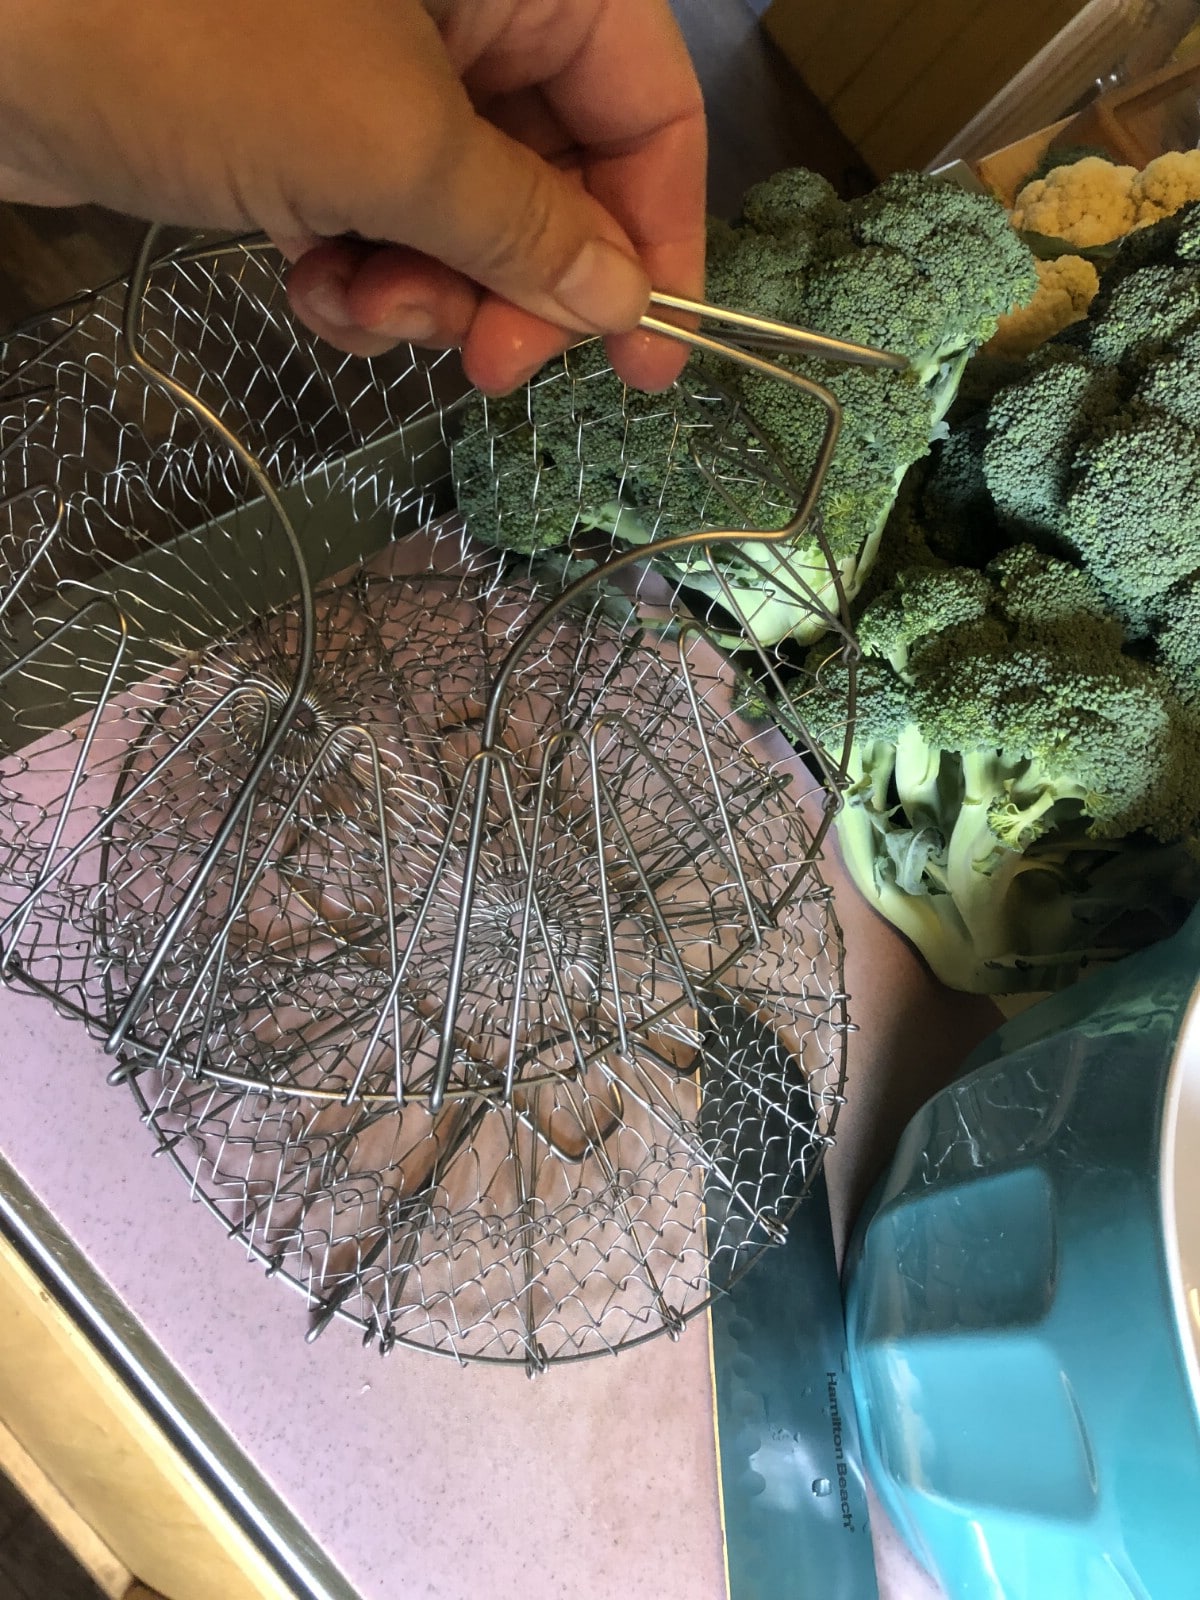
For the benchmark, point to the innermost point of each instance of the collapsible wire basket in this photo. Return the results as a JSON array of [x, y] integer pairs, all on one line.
[[461, 944]]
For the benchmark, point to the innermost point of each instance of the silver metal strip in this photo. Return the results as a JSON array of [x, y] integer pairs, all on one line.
[[165, 1394]]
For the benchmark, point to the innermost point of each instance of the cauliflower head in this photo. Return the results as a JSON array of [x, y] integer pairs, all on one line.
[[1167, 184], [1066, 288], [1089, 202]]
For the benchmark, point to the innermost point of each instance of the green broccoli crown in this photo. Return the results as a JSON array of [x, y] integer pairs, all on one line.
[[1093, 452], [1025, 770], [1093, 731], [1177, 638], [519, 481], [885, 427], [923, 603], [1144, 314], [794, 203], [882, 702], [732, 449], [1171, 384], [959, 242], [919, 266], [1133, 509], [1024, 660], [884, 297], [689, 460], [790, 227], [1050, 598], [873, 271], [1034, 430], [530, 468]]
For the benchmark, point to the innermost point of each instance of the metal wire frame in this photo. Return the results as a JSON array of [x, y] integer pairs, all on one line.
[[781, 338], [597, 1092]]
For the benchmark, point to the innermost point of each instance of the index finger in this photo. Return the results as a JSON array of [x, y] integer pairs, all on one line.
[[616, 78], [631, 99]]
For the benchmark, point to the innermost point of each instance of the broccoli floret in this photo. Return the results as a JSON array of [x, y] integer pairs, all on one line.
[[530, 467], [890, 302], [790, 228], [975, 266], [923, 603], [1034, 430], [1010, 759], [871, 271], [794, 205], [1177, 640], [1093, 451], [1144, 314], [885, 427], [1052, 599], [1169, 384], [1133, 511]]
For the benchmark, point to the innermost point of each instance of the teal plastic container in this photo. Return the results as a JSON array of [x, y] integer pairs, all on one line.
[[1023, 1302]]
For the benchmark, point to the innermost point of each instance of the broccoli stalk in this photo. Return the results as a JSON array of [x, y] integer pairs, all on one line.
[[940, 875], [990, 918]]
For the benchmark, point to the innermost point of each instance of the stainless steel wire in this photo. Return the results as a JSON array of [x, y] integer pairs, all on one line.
[[460, 942]]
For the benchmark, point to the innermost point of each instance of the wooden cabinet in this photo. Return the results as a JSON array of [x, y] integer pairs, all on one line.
[[78, 1443], [902, 77]]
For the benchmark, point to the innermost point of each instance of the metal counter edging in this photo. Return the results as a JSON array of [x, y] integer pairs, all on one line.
[[177, 1410]]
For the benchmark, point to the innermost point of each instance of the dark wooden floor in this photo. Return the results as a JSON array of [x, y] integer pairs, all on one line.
[[33, 1565], [761, 118]]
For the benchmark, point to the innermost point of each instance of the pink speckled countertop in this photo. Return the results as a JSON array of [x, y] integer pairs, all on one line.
[[416, 1477]]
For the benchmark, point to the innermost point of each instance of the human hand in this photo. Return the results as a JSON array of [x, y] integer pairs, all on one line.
[[526, 169]]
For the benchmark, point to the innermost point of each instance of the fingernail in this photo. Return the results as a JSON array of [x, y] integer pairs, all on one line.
[[411, 323], [327, 301], [603, 289]]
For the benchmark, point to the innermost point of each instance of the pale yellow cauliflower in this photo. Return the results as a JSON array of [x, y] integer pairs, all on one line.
[[1092, 201], [1168, 183], [1066, 287], [1089, 202]]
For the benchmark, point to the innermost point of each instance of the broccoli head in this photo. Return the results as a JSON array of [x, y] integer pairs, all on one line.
[[1092, 449], [1133, 511], [1035, 428], [728, 448], [975, 267], [1011, 760]]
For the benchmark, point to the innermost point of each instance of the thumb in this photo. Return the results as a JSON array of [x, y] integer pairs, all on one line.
[[494, 210]]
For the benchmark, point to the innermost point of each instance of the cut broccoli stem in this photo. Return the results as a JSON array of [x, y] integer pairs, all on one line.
[[931, 922], [918, 778], [944, 388]]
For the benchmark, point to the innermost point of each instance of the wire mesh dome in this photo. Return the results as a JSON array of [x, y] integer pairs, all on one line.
[[459, 941]]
